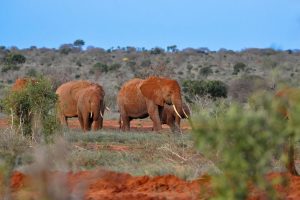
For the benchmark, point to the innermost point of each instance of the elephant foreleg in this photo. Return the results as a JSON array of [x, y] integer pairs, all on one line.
[[98, 124], [154, 115]]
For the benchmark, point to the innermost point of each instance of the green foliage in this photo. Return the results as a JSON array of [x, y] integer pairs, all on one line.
[[33, 108], [32, 73], [101, 67], [156, 50], [238, 67], [79, 43], [146, 63], [205, 71], [213, 88], [11, 62], [13, 59], [245, 141]]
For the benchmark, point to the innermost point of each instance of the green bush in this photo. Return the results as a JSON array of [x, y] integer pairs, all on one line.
[[33, 109], [205, 71], [245, 142], [11, 62], [213, 88], [13, 59], [100, 67], [32, 73], [105, 68], [238, 67]]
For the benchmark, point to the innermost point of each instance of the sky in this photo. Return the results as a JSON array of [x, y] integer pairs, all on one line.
[[215, 24]]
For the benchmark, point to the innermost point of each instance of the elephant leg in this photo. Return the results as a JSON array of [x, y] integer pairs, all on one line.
[[98, 124], [80, 118], [173, 124], [86, 122], [63, 120], [126, 123], [154, 115]]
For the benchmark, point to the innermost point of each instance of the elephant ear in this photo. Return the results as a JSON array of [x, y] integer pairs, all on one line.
[[151, 89]]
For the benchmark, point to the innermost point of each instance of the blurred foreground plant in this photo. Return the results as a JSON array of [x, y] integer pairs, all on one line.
[[246, 141]]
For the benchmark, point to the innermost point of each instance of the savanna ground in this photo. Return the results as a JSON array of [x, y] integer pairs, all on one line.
[[111, 164]]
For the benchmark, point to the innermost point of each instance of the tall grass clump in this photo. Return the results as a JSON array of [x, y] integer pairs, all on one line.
[[32, 109], [245, 141]]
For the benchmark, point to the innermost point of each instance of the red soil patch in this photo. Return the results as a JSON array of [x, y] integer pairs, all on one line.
[[137, 125], [101, 184]]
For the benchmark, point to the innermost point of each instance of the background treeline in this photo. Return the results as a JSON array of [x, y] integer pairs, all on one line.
[[241, 72]]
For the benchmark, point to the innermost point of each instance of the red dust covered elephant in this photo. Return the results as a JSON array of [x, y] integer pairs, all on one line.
[[290, 97], [84, 100], [140, 98]]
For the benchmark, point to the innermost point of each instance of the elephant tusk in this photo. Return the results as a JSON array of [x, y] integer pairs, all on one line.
[[107, 108], [91, 114], [101, 114], [185, 114], [176, 111]]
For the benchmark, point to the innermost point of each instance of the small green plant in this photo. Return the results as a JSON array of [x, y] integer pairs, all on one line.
[[32, 73], [100, 67], [238, 67], [206, 71], [33, 109]]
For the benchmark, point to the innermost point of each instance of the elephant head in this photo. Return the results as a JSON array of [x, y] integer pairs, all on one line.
[[164, 91]]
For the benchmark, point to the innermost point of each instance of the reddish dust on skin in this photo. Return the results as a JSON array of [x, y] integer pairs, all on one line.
[[102, 184]]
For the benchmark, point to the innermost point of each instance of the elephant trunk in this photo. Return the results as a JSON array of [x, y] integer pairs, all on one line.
[[95, 111], [177, 105]]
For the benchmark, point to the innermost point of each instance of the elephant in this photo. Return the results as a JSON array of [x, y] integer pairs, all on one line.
[[84, 100], [21, 83], [169, 117], [140, 98], [290, 96]]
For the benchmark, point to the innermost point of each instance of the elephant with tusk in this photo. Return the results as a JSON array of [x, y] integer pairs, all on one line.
[[84, 100], [172, 119], [140, 98]]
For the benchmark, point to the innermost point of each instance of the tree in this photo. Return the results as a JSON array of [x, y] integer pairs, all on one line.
[[79, 43]]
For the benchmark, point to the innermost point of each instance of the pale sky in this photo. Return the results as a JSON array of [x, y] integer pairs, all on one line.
[[230, 24]]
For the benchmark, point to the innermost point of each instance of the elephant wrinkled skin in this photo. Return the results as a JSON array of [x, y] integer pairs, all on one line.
[[140, 98], [84, 100]]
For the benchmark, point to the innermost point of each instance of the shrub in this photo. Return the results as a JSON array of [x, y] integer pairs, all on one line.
[[238, 67], [100, 67], [205, 71], [146, 63], [156, 50], [33, 108], [213, 88], [14, 59], [32, 73], [245, 142], [11, 62]]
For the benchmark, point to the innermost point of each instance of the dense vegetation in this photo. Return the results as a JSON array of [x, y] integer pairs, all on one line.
[[112, 67]]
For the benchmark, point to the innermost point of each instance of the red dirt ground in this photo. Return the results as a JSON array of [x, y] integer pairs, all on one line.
[[137, 125], [101, 184]]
